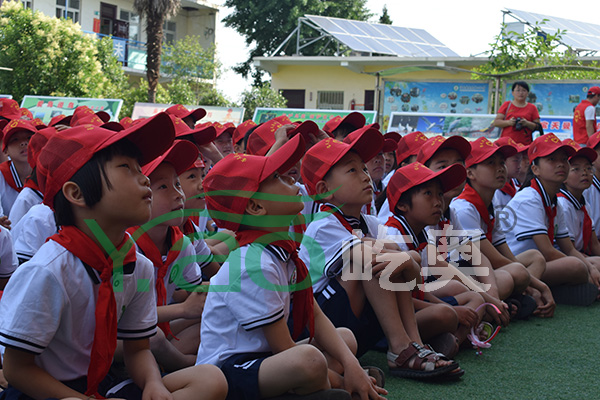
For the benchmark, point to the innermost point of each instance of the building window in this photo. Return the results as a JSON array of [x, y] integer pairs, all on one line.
[[68, 9], [295, 98], [330, 100], [27, 4], [134, 24], [169, 29]]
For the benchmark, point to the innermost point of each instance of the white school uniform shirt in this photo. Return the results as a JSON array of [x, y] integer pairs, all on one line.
[[573, 218], [402, 241], [324, 244], [465, 216], [241, 301], [525, 217], [25, 200], [592, 201], [8, 195], [49, 304], [384, 212], [31, 232], [8, 257], [174, 279], [203, 253]]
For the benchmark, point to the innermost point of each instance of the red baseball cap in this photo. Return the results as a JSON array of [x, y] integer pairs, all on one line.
[[594, 90], [439, 142], [38, 123], [503, 141], [395, 136], [236, 178], [262, 138], [224, 128], [409, 145], [66, 152], [13, 127], [416, 174], [181, 112], [181, 156], [61, 120], [482, 149], [547, 144], [593, 140], [26, 113], [126, 122], [9, 109], [319, 159], [84, 111], [580, 151], [389, 145], [241, 130], [356, 119], [3, 123], [93, 119], [37, 142], [199, 135]]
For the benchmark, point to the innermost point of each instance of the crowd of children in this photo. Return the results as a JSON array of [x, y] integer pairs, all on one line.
[[166, 258]]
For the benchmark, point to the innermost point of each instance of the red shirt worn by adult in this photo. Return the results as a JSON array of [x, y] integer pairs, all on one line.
[[580, 133], [529, 112]]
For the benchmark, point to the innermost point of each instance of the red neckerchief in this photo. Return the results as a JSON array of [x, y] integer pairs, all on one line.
[[303, 306], [587, 221], [9, 176], [509, 188], [337, 213], [548, 207], [188, 227], [395, 222], [469, 194], [105, 332], [150, 250]]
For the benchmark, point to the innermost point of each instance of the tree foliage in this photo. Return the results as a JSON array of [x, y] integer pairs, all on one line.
[[265, 24], [385, 17], [53, 57], [262, 95]]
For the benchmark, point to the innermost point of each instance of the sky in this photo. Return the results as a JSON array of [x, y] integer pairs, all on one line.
[[465, 26]]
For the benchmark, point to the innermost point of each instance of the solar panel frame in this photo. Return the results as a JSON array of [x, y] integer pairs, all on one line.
[[382, 39]]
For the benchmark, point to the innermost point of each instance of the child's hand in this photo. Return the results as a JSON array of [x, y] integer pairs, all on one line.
[[5, 222], [359, 384], [545, 303], [466, 316], [595, 276], [194, 305], [155, 390]]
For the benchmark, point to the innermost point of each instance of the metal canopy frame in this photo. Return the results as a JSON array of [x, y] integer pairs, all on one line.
[[302, 43]]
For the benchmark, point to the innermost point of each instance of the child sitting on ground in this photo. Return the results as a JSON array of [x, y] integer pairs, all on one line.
[[334, 172], [533, 221], [173, 257], [63, 311], [513, 169], [473, 210], [244, 325]]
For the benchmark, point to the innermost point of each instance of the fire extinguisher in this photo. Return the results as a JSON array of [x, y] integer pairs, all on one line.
[[352, 104]]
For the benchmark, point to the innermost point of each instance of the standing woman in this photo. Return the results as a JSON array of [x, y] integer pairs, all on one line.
[[518, 118]]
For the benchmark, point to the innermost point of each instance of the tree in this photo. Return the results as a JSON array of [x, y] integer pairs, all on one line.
[[385, 17], [155, 12], [261, 96], [267, 23], [192, 68], [53, 57]]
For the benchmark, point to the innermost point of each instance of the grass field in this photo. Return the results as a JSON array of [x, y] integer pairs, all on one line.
[[536, 359]]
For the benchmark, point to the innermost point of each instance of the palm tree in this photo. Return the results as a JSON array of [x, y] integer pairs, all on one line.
[[155, 12]]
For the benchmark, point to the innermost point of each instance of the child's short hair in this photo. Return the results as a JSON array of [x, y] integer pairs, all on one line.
[[68, 151], [345, 125], [415, 174], [89, 179], [236, 178], [319, 159], [439, 142]]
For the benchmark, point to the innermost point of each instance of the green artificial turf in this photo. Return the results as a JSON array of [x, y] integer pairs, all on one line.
[[554, 358]]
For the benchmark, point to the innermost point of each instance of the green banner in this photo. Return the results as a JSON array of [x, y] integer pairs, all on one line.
[[320, 117], [46, 107]]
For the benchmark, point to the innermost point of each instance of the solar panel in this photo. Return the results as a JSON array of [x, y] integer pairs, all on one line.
[[579, 35], [382, 39]]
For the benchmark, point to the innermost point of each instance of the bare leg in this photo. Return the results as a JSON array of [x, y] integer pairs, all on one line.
[[189, 340], [167, 355], [534, 261], [565, 271], [186, 384], [519, 275]]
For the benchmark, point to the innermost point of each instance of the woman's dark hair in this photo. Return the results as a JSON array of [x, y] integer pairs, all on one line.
[[523, 84], [89, 179]]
